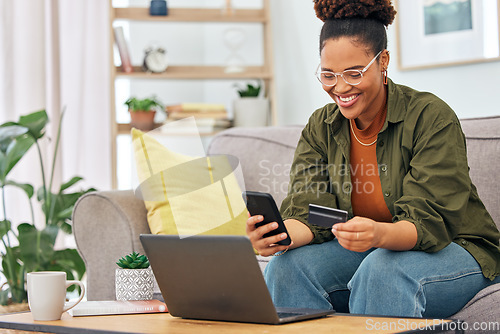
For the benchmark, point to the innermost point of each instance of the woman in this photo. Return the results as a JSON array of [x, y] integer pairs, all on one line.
[[419, 241]]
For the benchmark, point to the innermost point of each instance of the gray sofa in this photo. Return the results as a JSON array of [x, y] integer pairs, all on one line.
[[107, 224]]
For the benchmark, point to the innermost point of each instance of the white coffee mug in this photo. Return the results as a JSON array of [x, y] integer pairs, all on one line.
[[47, 294]]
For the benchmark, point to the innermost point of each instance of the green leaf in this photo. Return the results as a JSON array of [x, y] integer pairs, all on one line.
[[64, 214], [71, 260], [66, 228], [37, 247], [133, 261], [249, 91], [123, 264], [40, 194], [58, 208], [4, 296], [11, 130], [19, 294], [147, 104], [5, 227], [8, 133], [70, 183], [27, 188], [35, 122], [14, 272], [16, 149]]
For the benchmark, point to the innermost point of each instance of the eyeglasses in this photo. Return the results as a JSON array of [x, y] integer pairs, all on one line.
[[350, 77]]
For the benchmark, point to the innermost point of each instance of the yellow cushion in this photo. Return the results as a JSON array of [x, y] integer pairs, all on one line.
[[187, 195]]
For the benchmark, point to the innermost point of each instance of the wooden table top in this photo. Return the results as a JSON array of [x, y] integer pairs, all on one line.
[[165, 323]]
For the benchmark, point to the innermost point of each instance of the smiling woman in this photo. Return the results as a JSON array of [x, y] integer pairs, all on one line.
[[414, 219]]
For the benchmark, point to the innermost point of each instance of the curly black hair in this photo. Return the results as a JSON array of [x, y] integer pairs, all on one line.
[[379, 10], [363, 20]]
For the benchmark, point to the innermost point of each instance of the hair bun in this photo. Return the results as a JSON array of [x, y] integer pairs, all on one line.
[[380, 10]]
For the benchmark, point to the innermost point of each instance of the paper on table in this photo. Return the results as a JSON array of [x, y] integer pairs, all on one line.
[[106, 307]]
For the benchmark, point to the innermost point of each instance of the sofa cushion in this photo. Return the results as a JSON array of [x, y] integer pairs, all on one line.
[[481, 311], [483, 154], [265, 156], [187, 195]]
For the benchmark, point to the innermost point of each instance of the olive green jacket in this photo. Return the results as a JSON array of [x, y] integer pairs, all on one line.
[[422, 162]]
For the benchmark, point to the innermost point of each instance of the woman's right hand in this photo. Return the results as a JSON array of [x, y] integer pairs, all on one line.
[[264, 246]]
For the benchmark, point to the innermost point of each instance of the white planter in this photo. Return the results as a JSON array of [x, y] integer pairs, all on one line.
[[134, 284], [251, 111]]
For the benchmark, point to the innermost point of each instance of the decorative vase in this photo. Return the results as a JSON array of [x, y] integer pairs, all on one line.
[[134, 284], [142, 120], [158, 7], [251, 111]]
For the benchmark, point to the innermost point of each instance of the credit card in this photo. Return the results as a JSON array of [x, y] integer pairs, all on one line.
[[325, 216]]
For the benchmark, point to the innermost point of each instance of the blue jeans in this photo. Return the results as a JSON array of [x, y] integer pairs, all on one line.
[[376, 282]]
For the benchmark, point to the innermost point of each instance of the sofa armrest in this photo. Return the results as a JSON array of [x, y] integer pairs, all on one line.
[[107, 226]]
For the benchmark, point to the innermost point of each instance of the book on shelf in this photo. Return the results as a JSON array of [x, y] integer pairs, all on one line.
[[195, 125], [123, 50], [176, 115], [197, 110], [108, 307], [196, 107]]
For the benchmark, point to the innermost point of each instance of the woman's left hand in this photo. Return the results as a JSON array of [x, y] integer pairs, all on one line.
[[358, 234]]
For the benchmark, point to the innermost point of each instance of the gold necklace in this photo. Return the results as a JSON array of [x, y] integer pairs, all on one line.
[[359, 141]]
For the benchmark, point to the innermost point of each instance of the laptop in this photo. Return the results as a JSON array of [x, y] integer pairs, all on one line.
[[215, 278]]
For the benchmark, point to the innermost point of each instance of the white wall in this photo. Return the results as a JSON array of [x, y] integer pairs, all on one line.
[[471, 90]]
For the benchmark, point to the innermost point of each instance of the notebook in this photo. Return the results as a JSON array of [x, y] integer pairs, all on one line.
[[215, 278]]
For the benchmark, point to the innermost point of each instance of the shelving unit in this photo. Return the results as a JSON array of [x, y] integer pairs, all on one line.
[[196, 72], [194, 15]]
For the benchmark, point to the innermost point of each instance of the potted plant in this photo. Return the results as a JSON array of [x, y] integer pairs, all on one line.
[[251, 108], [134, 279], [29, 248], [143, 111]]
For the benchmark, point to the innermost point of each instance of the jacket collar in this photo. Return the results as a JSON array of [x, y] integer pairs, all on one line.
[[396, 106]]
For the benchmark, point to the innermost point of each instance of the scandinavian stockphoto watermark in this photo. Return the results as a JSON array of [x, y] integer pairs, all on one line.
[[429, 325], [317, 177]]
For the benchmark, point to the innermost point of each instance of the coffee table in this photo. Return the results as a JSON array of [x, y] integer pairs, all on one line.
[[165, 323]]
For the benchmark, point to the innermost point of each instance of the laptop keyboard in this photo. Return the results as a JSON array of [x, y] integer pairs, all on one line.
[[288, 314]]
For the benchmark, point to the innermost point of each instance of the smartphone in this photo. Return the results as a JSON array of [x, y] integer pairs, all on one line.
[[263, 204]]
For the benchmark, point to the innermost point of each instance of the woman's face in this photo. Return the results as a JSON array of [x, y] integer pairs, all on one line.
[[363, 101]]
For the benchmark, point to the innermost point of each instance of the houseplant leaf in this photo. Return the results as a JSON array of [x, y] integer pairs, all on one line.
[[58, 207], [36, 246], [4, 296], [147, 104], [69, 261], [14, 273], [72, 262], [16, 149], [26, 187], [4, 227], [10, 132], [71, 182], [35, 122]]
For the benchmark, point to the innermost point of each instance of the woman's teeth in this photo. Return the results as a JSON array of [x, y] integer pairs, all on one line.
[[347, 99]]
